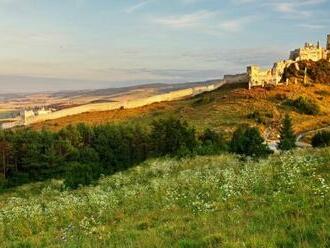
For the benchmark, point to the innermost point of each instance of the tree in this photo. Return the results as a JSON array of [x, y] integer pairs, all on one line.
[[211, 143], [172, 136], [5, 150], [321, 139], [248, 141], [288, 138], [81, 174]]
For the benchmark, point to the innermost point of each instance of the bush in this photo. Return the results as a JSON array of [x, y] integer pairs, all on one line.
[[79, 174], [321, 139], [204, 99], [260, 118], [170, 136], [211, 143], [256, 115], [304, 106], [288, 138], [248, 141]]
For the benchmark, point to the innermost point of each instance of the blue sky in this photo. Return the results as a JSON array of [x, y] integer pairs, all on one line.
[[75, 44]]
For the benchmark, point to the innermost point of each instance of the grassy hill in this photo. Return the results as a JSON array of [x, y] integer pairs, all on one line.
[[223, 109], [202, 201], [218, 201]]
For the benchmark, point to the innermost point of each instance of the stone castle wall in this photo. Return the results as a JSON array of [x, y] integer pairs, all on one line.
[[171, 96], [273, 76], [234, 79]]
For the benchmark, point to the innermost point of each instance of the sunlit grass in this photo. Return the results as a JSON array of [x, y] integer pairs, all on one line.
[[218, 201]]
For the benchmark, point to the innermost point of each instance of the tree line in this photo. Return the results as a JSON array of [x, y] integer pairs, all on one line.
[[81, 153]]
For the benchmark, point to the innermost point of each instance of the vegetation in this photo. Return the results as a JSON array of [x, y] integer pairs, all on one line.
[[288, 138], [304, 106], [261, 117], [81, 153], [321, 139], [171, 136], [148, 186], [248, 141], [211, 143], [228, 110], [217, 201]]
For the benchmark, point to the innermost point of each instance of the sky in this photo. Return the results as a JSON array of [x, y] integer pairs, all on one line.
[[48, 45]]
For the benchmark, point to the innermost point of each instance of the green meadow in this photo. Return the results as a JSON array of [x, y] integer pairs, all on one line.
[[210, 201]]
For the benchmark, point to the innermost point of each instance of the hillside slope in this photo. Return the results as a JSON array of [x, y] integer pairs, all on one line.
[[222, 110], [215, 201]]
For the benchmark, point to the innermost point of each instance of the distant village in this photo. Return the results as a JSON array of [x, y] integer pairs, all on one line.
[[26, 115]]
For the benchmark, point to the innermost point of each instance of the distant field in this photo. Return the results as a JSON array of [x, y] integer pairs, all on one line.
[[222, 110]]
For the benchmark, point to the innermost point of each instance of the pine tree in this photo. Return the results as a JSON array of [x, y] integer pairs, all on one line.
[[288, 137]]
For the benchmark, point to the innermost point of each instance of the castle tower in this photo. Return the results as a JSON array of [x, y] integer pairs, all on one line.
[[328, 42]]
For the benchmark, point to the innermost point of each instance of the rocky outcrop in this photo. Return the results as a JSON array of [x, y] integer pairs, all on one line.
[[308, 72]]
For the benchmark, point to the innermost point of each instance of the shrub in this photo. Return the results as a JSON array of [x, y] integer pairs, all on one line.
[[260, 118], [321, 139], [322, 92], [248, 141], [211, 143], [204, 99], [168, 136], [304, 105], [256, 115], [79, 174], [288, 138]]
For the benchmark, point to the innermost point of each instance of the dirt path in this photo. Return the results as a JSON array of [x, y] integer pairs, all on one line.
[[272, 144], [302, 135]]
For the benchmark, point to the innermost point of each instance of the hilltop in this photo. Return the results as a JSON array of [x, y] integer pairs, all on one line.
[[222, 110]]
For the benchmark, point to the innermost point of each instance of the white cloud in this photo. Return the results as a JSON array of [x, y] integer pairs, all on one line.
[[296, 8], [137, 6], [235, 25], [188, 20], [312, 26]]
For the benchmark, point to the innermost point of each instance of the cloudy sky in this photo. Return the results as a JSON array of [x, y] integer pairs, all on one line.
[[76, 44]]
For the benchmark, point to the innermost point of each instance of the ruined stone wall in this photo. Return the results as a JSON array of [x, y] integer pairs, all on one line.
[[309, 53], [238, 78], [8, 125], [171, 96], [328, 42], [259, 77]]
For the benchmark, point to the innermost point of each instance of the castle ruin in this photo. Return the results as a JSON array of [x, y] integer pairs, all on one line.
[[273, 76]]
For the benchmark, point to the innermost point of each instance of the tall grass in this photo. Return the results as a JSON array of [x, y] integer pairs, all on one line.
[[218, 201]]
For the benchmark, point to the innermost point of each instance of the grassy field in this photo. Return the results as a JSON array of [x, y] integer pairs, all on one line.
[[218, 201], [223, 110]]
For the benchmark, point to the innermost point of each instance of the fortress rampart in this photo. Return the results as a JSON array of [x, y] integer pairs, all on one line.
[[273, 76], [28, 118]]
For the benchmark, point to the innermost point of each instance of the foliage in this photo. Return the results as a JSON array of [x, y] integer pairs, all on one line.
[[216, 201], [321, 139], [256, 115], [288, 138], [170, 136], [248, 141], [79, 174], [27, 155], [304, 105], [211, 143], [204, 99]]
